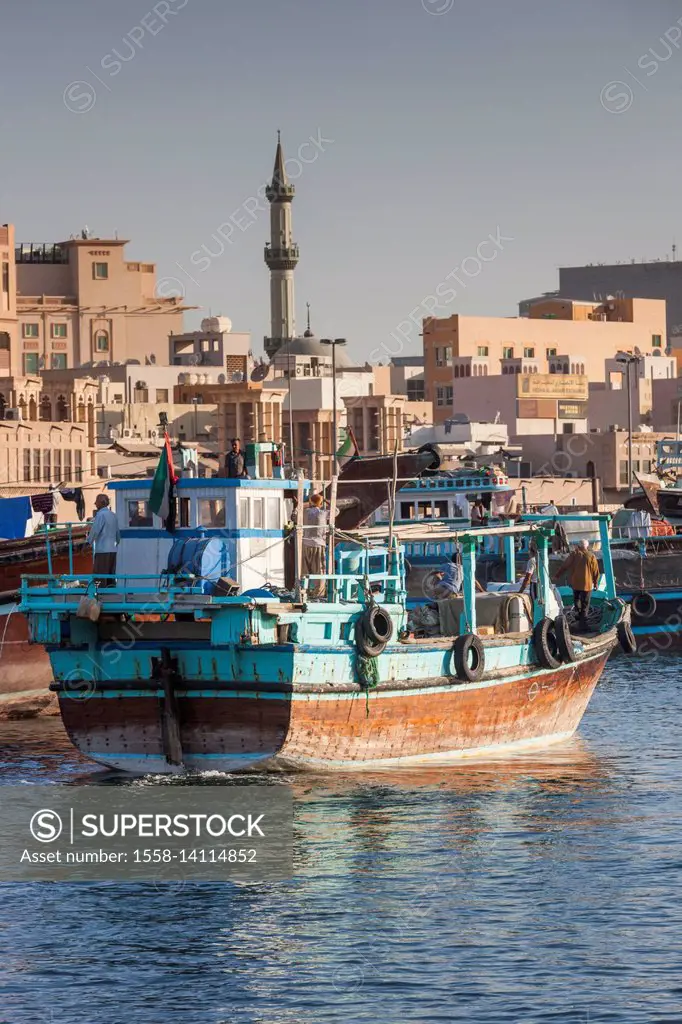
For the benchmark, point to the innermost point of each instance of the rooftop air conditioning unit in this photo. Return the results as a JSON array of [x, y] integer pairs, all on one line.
[[127, 432]]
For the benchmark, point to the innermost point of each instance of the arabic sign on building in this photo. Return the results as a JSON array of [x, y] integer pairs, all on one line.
[[552, 385]]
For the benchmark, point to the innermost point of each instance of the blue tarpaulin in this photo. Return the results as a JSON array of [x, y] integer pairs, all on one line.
[[15, 513]]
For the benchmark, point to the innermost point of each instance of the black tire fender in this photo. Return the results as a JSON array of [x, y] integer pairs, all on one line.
[[546, 646], [373, 630], [564, 640], [626, 637], [644, 604], [377, 624], [469, 657]]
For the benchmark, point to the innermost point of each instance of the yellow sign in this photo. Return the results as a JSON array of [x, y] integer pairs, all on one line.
[[552, 385]]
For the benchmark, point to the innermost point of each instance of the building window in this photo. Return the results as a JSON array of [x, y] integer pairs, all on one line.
[[212, 513], [30, 330], [140, 395], [162, 394], [27, 465], [58, 360], [443, 356], [204, 344], [30, 361], [448, 354], [139, 514], [100, 271], [508, 352], [78, 465], [4, 341], [415, 390], [101, 341], [551, 352], [568, 428], [482, 350], [47, 465], [68, 471], [529, 353], [36, 465], [656, 340], [58, 330], [623, 479], [57, 465], [45, 408], [444, 396]]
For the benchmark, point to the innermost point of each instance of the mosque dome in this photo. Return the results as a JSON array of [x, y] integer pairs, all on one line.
[[309, 345]]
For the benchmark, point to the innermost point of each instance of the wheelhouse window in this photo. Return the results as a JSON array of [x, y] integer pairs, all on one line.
[[244, 519], [258, 513], [406, 510], [140, 514], [184, 512], [274, 514], [212, 513]]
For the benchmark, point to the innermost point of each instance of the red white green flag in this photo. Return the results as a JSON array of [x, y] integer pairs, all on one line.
[[162, 494]]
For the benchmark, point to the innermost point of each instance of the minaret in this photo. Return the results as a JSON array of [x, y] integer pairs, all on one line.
[[281, 256]]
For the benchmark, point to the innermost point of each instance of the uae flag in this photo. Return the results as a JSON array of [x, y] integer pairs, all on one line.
[[162, 495]]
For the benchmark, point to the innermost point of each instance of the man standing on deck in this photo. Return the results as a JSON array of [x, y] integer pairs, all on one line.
[[235, 465], [314, 544], [104, 538], [583, 576]]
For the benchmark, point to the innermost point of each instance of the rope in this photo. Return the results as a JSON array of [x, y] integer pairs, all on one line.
[[4, 632]]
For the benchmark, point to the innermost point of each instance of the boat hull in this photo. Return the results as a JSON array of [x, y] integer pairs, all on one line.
[[661, 630], [25, 670], [235, 726]]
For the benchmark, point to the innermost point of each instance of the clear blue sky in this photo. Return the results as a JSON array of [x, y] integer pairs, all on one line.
[[444, 127]]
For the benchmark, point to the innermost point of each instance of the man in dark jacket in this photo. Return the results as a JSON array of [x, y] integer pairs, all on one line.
[[235, 465]]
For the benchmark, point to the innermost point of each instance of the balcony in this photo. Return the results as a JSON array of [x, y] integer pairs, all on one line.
[[40, 252], [284, 258]]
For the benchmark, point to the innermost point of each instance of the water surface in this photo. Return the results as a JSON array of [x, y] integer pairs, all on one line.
[[520, 891]]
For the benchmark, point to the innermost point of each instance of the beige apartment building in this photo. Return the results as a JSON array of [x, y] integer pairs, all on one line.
[[35, 455], [559, 336], [80, 301], [245, 410], [8, 298]]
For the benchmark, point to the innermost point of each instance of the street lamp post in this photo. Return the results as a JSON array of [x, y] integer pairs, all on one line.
[[628, 360], [335, 439]]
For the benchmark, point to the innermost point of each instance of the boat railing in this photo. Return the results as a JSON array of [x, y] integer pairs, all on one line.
[[146, 593], [54, 532], [378, 571]]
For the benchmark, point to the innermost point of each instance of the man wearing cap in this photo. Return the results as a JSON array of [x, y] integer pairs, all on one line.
[[104, 538], [314, 543]]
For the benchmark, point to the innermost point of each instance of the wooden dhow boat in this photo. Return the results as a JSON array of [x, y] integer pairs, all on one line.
[[202, 656]]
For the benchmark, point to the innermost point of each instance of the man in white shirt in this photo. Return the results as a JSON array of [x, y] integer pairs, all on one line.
[[314, 544], [104, 538]]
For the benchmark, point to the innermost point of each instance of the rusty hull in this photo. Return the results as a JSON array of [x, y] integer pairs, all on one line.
[[233, 726]]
